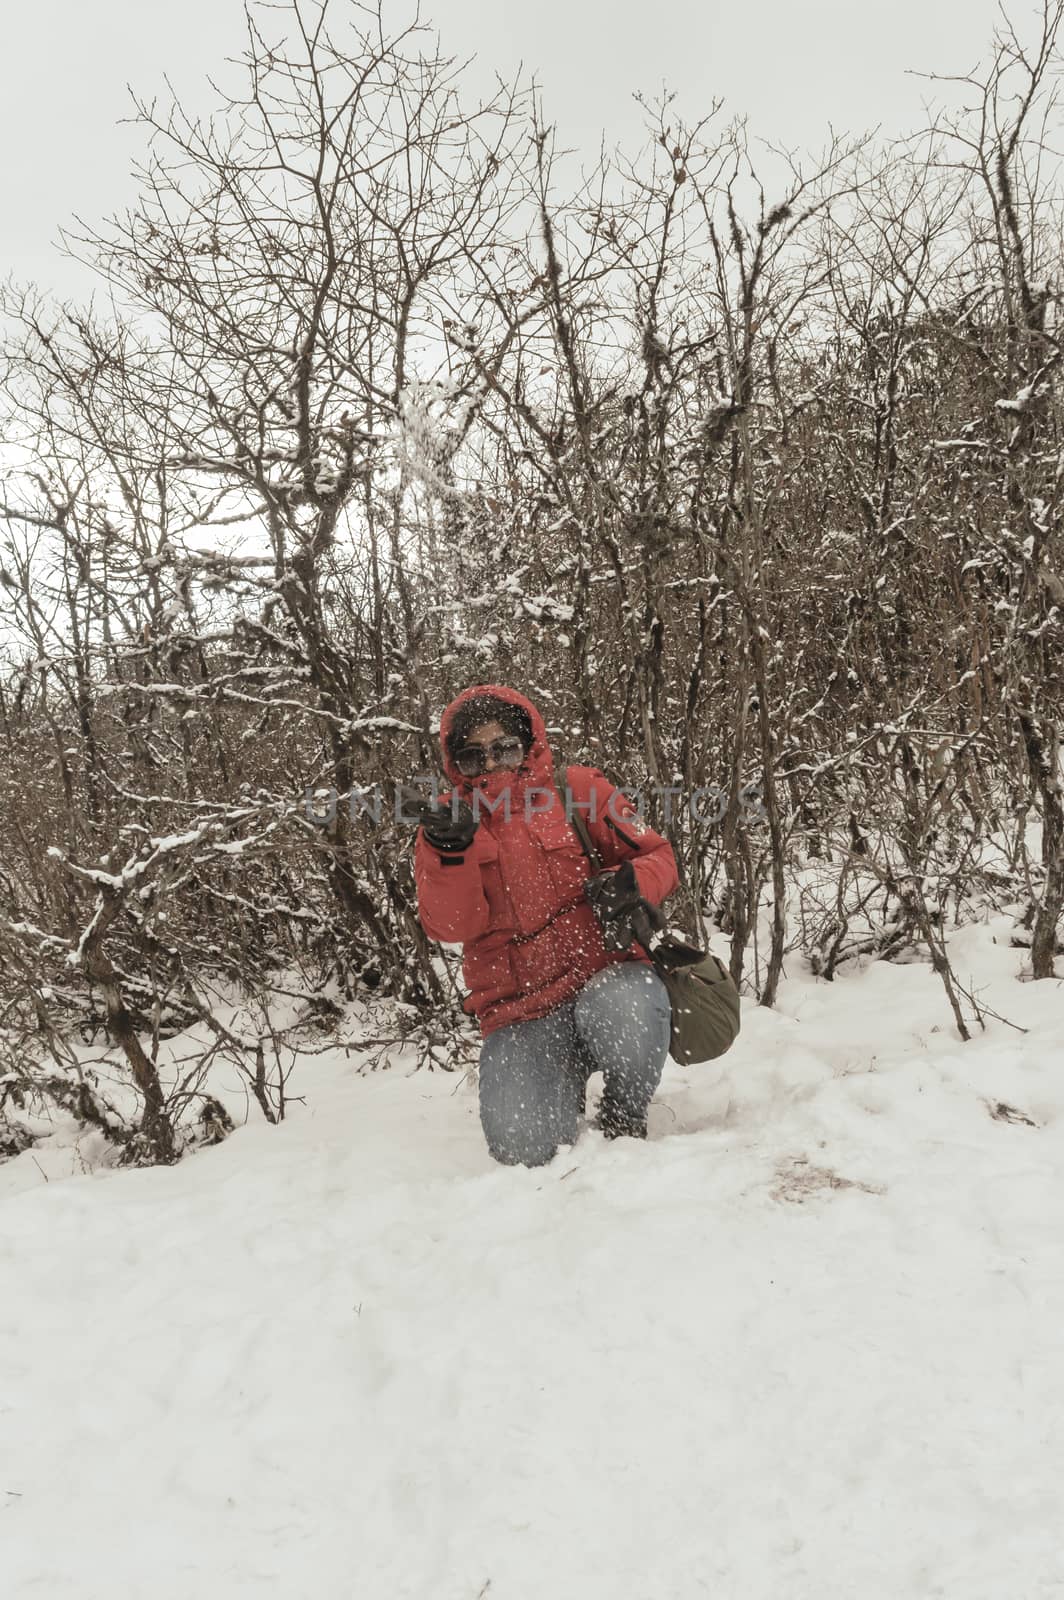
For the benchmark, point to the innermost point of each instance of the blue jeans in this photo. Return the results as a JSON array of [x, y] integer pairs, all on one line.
[[533, 1075]]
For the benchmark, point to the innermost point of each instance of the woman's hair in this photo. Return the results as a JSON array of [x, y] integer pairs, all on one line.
[[488, 708]]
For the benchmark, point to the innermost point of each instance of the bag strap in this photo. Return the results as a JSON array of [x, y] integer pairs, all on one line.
[[644, 932], [561, 783], [666, 945]]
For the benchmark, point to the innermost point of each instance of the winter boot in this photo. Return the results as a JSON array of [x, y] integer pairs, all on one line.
[[618, 1122]]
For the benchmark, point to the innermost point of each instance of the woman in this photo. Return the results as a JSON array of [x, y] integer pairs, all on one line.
[[556, 979]]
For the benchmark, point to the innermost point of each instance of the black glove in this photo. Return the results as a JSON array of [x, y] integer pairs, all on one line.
[[620, 909], [448, 828]]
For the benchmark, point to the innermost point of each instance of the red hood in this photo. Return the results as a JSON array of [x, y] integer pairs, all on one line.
[[536, 769]]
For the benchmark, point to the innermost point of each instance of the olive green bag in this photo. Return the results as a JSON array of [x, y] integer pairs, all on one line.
[[704, 1000]]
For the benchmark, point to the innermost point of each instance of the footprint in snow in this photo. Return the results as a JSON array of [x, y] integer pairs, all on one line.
[[796, 1180]]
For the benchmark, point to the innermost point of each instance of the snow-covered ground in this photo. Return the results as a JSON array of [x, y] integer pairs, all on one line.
[[803, 1344]]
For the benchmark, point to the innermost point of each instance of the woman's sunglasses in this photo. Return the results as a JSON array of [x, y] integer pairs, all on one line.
[[471, 758]]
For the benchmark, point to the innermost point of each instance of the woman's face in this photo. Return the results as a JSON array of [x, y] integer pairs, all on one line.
[[485, 735]]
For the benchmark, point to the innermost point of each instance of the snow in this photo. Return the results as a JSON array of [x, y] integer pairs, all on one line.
[[395, 723], [803, 1344], [545, 608], [1022, 399]]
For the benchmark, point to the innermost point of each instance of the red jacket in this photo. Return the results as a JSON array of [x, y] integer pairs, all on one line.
[[515, 897]]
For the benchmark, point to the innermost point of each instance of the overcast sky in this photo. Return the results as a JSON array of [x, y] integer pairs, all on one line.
[[793, 66]]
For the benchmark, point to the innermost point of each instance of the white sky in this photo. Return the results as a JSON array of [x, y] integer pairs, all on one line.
[[793, 66]]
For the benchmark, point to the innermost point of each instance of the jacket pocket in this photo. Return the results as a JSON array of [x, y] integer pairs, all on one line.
[[538, 961], [488, 967], [500, 914], [567, 864]]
